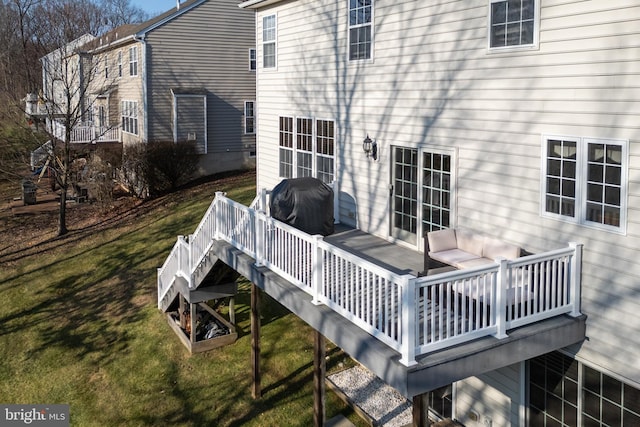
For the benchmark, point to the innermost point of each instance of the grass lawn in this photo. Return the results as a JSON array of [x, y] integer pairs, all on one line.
[[79, 325]]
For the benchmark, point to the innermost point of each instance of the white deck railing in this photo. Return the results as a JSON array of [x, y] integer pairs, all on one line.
[[412, 315], [85, 133]]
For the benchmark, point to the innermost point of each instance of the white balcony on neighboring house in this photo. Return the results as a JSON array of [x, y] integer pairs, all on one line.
[[34, 106], [85, 133]]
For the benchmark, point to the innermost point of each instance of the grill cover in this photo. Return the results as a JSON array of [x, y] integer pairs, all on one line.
[[304, 203]]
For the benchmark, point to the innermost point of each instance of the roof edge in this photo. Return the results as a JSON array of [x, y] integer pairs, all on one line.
[[175, 12], [257, 4]]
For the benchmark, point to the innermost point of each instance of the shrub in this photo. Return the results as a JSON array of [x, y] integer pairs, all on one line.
[[157, 167]]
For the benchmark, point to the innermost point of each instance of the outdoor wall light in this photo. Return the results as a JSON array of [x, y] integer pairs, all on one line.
[[370, 148]]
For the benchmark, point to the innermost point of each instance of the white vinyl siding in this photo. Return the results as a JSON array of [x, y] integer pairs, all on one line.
[[433, 84]]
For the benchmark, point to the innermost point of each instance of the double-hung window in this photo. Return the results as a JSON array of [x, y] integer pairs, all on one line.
[[130, 117], [513, 23], [249, 117], [307, 148], [133, 61], [584, 181], [106, 66], [269, 41], [252, 60], [119, 63], [360, 29], [286, 147]]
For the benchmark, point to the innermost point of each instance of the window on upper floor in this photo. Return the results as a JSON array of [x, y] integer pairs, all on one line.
[[133, 61], [584, 181], [513, 23], [269, 41], [307, 148], [249, 117], [120, 64], [360, 29], [253, 61], [106, 67], [129, 112]]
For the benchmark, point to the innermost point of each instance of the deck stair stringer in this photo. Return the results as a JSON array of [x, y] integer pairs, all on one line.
[[212, 277]]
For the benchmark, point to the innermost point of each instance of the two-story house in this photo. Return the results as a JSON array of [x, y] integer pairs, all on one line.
[[187, 74], [511, 119]]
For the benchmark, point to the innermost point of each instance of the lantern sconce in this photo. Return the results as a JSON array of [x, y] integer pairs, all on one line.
[[370, 148]]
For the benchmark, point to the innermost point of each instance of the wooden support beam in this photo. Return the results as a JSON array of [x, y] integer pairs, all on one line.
[[232, 310], [192, 319], [256, 391], [420, 411], [319, 373]]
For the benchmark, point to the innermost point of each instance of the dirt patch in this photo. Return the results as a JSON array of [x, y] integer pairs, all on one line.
[[25, 229]]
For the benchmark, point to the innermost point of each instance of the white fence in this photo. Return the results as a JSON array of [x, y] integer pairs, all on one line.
[[411, 315], [85, 133]]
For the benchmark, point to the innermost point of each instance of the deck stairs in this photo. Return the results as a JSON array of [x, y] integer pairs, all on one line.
[[213, 278]]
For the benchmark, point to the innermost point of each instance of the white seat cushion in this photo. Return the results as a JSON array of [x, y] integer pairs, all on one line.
[[452, 256]]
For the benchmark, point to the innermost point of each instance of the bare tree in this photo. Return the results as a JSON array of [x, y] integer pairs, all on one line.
[[45, 52]]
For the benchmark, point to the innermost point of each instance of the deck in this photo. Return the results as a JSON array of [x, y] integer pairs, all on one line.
[[363, 293]]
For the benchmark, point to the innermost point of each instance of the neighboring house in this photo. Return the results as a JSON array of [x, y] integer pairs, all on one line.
[[186, 74], [515, 119]]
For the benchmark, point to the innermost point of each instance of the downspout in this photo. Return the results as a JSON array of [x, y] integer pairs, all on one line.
[[145, 110]]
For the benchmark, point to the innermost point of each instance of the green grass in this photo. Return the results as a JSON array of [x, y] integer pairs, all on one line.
[[79, 325]]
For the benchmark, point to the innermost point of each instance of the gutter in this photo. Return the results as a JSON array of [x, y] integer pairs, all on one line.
[[256, 4]]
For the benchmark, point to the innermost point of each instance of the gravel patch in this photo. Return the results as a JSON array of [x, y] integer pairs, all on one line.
[[373, 396]]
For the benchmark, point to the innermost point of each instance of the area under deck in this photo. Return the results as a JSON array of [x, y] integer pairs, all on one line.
[[434, 369]]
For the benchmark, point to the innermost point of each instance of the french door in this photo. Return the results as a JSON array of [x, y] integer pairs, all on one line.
[[421, 197]]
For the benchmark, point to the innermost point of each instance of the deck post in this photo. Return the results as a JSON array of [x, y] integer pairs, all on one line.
[[218, 216], [420, 416], [259, 232], [576, 278], [319, 371], [408, 321], [501, 300], [256, 391], [316, 274]]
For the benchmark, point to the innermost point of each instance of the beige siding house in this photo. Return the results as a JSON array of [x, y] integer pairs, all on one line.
[[184, 75], [514, 119]]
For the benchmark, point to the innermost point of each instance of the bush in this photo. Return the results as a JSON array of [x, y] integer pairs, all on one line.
[[157, 167]]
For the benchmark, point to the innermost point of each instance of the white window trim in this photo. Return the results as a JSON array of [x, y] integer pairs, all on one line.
[[582, 144], [133, 106], [247, 116], [371, 24], [528, 47], [175, 117], [119, 64], [314, 141], [254, 59], [274, 41], [133, 60]]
